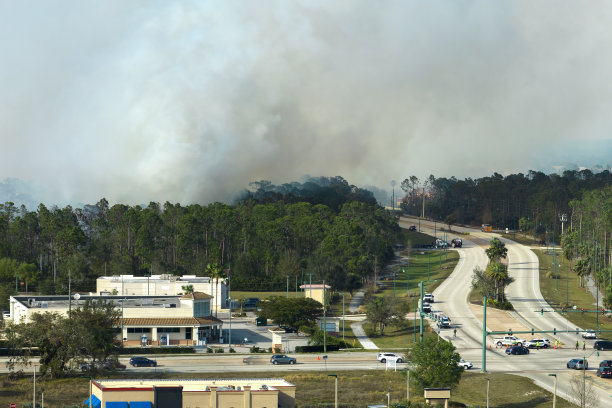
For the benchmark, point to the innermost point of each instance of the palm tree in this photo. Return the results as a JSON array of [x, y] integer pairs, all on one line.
[[499, 274], [215, 272]]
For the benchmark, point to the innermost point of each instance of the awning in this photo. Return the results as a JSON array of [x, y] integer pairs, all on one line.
[[140, 404], [95, 402], [117, 404]]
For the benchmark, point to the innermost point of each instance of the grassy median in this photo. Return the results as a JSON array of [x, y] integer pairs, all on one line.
[[566, 288], [315, 388]]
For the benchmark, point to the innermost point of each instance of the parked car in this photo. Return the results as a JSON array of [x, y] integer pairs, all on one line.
[[605, 369], [578, 364], [428, 297], [282, 359], [465, 364], [250, 303], [142, 362], [589, 334], [288, 329], [603, 345], [517, 350], [383, 357], [412, 227], [457, 243], [533, 343]]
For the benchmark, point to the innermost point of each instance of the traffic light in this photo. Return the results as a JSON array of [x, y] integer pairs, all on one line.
[[583, 310], [577, 330], [510, 332], [555, 331], [541, 312], [532, 331], [603, 311]]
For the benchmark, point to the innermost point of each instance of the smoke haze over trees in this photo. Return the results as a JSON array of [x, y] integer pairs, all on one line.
[[156, 100], [334, 231]]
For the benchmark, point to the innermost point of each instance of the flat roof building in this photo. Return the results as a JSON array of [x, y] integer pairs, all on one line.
[[165, 285], [145, 320], [193, 393]]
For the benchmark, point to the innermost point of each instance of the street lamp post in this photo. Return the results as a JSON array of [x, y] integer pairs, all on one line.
[[488, 383], [555, 390], [335, 390]]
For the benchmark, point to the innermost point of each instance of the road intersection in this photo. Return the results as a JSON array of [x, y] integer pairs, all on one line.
[[524, 293]]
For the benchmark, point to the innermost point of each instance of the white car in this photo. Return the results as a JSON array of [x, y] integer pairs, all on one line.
[[465, 364], [383, 357], [589, 334], [533, 343], [428, 297]]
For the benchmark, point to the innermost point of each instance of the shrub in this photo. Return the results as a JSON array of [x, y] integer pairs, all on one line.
[[209, 350], [219, 350], [231, 350]]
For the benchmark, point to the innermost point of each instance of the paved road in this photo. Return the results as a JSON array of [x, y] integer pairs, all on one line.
[[527, 300]]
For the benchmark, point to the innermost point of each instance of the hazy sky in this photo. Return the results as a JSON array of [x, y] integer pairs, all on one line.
[[190, 101]]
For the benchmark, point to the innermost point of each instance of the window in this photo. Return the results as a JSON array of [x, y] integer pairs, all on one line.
[[168, 329], [201, 308], [139, 330], [188, 333]]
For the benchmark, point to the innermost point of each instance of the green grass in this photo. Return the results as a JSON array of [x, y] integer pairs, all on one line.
[[398, 337], [316, 389], [575, 295], [239, 295], [414, 238], [441, 265]]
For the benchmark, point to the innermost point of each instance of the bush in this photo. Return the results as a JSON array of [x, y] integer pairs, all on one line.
[[315, 349], [155, 350], [231, 350], [209, 350], [219, 350]]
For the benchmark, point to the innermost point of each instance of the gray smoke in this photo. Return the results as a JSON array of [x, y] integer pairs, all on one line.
[[190, 101]]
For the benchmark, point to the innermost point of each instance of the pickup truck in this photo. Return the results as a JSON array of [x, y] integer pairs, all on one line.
[[509, 341]]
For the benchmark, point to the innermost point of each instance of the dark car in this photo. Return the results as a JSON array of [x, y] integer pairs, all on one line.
[[605, 369], [603, 345], [250, 303], [517, 350], [142, 362], [457, 243], [288, 329], [282, 359], [412, 227], [578, 364]]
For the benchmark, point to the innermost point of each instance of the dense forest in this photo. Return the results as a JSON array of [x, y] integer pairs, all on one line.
[[533, 204], [324, 229], [537, 198]]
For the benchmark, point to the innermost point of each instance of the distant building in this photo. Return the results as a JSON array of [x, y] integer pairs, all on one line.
[[192, 393], [145, 320], [316, 291], [156, 285]]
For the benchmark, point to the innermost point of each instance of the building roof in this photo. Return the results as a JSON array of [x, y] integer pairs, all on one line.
[[257, 384], [314, 286], [128, 301], [196, 296], [170, 321]]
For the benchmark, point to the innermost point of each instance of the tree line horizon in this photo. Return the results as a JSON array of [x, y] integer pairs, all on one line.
[[323, 229]]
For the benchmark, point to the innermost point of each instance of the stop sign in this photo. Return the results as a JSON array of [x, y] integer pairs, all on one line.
[[13, 405]]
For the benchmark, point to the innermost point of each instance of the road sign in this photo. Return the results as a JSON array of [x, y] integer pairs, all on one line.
[[13, 405]]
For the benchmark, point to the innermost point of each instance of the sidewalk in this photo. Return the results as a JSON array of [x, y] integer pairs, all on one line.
[[361, 336]]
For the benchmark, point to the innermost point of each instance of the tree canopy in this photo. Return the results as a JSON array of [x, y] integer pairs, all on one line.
[[292, 312], [436, 363], [326, 228]]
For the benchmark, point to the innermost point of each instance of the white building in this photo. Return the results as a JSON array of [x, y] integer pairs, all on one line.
[[167, 285], [145, 320]]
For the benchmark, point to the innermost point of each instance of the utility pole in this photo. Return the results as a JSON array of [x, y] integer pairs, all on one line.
[[324, 322], [287, 286], [484, 335], [342, 316], [69, 295], [229, 295]]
